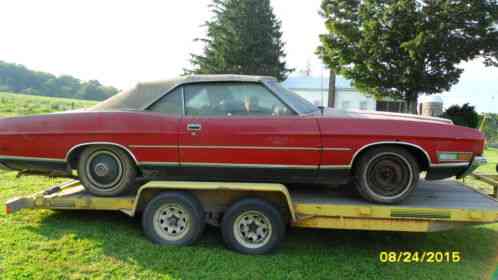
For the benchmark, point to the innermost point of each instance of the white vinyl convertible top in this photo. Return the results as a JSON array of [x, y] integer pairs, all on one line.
[[144, 94]]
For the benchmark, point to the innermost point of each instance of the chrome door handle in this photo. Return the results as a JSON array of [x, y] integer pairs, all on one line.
[[194, 127]]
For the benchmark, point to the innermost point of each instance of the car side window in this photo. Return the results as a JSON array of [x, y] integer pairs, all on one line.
[[232, 99], [170, 104]]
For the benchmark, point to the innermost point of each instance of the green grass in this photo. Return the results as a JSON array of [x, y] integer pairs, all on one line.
[[491, 155], [17, 104], [45, 244]]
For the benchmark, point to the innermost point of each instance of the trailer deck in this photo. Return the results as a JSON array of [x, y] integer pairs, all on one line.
[[434, 206]]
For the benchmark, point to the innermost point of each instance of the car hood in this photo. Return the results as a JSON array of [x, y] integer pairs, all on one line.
[[337, 113]]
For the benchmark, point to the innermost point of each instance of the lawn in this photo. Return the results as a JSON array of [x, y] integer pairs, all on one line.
[[44, 244], [18, 104], [492, 157], [490, 168]]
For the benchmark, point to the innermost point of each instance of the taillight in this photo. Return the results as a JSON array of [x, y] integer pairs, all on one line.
[[455, 156]]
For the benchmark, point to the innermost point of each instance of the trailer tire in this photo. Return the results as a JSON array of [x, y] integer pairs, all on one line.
[[173, 218], [386, 175], [253, 226]]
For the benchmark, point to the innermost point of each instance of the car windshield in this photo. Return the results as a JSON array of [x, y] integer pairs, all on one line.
[[302, 105]]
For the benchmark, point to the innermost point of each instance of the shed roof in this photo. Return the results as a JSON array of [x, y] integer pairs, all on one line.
[[315, 83]]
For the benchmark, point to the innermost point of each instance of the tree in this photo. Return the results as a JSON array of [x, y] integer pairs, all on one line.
[[490, 127], [243, 37], [17, 78], [464, 115], [93, 90], [401, 48]]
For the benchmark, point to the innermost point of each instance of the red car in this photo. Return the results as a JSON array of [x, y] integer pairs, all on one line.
[[237, 128]]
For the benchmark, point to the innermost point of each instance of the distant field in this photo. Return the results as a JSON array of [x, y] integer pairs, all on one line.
[[18, 104]]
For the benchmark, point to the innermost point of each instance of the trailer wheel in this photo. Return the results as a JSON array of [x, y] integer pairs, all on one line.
[[173, 218], [252, 226]]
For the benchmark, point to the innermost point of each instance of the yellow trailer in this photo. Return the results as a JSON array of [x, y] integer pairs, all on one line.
[[254, 216]]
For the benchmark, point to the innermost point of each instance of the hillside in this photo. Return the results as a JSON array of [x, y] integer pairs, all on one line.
[[18, 104], [19, 79]]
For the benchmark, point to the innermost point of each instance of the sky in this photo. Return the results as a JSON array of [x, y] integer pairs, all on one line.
[[122, 42]]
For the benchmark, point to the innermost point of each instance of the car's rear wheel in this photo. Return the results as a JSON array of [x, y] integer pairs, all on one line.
[[106, 170], [386, 174]]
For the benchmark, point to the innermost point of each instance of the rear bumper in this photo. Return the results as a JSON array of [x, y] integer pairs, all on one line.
[[460, 171], [476, 162]]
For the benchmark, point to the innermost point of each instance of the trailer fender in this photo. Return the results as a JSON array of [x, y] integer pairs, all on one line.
[[210, 193]]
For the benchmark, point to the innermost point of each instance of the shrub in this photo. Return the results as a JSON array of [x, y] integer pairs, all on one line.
[[462, 115]]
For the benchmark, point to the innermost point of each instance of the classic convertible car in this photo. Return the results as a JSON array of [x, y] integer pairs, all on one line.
[[237, 128]]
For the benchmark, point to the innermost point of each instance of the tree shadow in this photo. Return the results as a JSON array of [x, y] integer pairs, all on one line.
[[305, 252]]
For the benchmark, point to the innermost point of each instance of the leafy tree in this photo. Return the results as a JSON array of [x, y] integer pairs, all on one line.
[[465, 115], [243, 37], [17, 78], [401, 48], [490, 128]]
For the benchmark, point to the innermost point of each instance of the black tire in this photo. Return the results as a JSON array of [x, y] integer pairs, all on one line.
[[188, 223], [106, 170], [386, 174], [267, 215]]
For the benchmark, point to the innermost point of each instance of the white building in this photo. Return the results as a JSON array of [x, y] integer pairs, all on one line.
[[315, 90]]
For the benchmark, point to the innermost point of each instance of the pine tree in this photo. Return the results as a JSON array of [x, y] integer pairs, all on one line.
[[243, 37]]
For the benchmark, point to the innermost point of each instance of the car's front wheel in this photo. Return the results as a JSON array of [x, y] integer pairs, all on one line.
[[106, 170], [386, 174]]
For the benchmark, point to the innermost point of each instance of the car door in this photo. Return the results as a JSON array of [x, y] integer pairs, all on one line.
[[243, 131]]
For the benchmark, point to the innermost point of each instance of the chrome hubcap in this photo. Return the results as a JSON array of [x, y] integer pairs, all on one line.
[[172, 222], [101, 169], [104, 169], [252, 229]]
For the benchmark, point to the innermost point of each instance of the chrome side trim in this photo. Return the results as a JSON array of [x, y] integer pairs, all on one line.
[[165, 163], [32, 159], [209, 164], [100, 143], [338, 149], [450, 164], [153, 146], [251, 148], [392, 143], [238, 147], [332, 167]]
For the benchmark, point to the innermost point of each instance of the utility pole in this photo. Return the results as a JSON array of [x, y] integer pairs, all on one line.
[[332, 90]]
